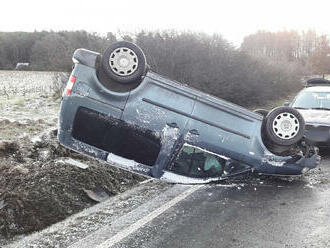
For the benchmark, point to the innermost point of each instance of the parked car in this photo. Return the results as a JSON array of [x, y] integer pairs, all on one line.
[[313, 102], [117, 110]]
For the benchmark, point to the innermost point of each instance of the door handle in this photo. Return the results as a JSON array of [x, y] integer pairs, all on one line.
[[194, 131]]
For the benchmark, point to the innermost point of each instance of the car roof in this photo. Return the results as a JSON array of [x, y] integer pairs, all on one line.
[[317, 89]]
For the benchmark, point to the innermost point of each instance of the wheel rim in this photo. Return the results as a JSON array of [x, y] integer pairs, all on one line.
[[123, 61], [286, 126]]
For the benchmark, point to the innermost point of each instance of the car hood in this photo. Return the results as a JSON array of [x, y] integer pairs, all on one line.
[[316, 116]]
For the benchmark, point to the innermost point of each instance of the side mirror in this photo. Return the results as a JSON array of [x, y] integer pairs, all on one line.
[[287, 104]]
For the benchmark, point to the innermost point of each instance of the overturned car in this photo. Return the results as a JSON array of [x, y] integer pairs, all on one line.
[[117, 110]]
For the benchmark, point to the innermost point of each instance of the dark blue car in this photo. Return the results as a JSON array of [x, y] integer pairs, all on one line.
[[115, 109]]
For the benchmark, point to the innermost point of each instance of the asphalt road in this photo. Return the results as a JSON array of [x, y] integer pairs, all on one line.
[[265, 212], [255, 212]]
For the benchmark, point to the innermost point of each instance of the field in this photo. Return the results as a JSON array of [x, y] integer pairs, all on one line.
[[40, 183]]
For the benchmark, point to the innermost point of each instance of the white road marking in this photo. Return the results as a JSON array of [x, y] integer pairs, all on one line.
[[137, 225]]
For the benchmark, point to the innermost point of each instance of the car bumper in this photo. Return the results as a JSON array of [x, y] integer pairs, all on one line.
[[291, 167]]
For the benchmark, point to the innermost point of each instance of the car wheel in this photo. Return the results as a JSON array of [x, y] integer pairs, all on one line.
[[263, 112], [284, 126], [124, 62]]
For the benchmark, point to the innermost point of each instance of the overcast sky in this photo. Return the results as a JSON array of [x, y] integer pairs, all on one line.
[[232, 18]]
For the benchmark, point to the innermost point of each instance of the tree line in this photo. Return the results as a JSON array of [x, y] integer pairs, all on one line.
[[261, 70], [309, 49]]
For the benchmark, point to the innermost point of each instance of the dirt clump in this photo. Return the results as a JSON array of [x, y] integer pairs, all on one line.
[[8, 148], [38, 188]]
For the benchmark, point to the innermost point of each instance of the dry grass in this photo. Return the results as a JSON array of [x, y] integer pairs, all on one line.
[[276, 103]]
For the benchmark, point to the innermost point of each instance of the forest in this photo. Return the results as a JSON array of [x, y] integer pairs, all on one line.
[[267, 65]]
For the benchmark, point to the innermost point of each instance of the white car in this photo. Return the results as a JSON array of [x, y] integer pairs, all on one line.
[[313, 102]]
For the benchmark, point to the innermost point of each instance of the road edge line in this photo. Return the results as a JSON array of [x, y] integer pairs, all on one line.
[[144, 220]]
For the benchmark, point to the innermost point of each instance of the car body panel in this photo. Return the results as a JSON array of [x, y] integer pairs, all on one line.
[[163, 116]]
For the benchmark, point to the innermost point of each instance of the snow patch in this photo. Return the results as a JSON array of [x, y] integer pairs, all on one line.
[[36, 139], [79, 146], [175, 178], [127, 164], [191, 137], [146, 116], [272, 160], [170, 133], [168, 137], [2, 204], [120, 160]]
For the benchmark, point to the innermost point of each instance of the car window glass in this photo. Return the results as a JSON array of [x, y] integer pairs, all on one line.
[[312, 100], [195, 162], [199, 163]]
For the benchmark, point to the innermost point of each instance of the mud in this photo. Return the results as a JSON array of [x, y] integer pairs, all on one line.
[[38, 188]]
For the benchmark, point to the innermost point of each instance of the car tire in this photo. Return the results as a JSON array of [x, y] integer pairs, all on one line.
[[284, 126], [263, 112], [124, 62]]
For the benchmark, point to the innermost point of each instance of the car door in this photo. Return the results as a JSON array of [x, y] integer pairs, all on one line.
[[161, 109], [221, 128]]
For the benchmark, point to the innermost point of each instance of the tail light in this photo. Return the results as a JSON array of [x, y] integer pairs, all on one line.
[[69, 85]]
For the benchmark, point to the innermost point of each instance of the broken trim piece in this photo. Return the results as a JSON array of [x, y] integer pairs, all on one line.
[[129, 165]]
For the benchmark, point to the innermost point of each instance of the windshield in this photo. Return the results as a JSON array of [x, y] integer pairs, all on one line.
[[312, 100]]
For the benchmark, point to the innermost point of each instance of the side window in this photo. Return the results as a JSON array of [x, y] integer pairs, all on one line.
[[199, 163], [195, 162]]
